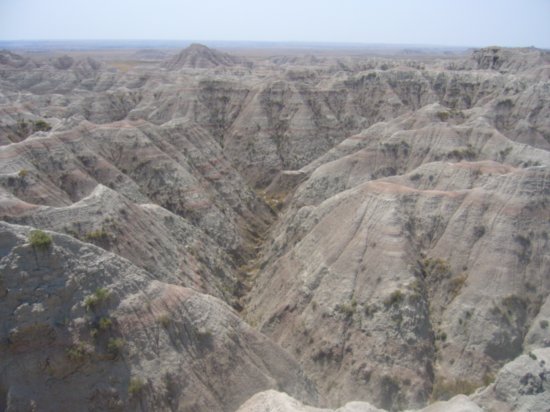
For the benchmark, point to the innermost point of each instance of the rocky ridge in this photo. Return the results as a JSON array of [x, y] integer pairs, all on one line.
[[197, 56]]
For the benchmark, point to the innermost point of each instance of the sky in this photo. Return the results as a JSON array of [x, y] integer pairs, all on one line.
[[424, 22]]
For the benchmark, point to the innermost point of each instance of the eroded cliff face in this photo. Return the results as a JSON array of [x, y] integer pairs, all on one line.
[[86, 327], [380, 223]]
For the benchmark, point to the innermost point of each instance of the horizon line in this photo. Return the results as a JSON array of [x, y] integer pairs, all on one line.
[[63, 44], [355, 44]]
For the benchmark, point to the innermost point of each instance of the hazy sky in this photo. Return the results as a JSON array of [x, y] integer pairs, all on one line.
[[437, 22]]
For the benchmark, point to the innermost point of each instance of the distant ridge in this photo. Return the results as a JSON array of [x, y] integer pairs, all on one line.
[[198, 56], [16, 61], [510, 59]]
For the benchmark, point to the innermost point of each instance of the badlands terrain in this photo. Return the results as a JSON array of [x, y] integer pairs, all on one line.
[[203, 230]]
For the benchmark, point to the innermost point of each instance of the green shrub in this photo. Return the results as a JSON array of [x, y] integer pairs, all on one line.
[[394, 149], [77, 353], [23, 173], [543, 324], [41, 126], [443, 116], [22, 127], [97, 235], [94, 332], [348, 309], [40, 240], [135, 386], [115, 346], [456, 283], [504, 152], [105, 323], [467, 153], [164, 320], [370, 310], [390, 390], [436, 268], [442, 336], [395, 298], [99, 296]]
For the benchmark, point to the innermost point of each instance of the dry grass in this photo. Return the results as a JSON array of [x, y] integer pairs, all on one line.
[[124, 65], [445, 389]]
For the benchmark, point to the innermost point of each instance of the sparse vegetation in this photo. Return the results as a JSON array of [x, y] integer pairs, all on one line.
[[442, 336], [41, 126], [274, 200], [440, 280], [488, 378], [395, 298], [40, 240], [135, 386], [164, 320], [77, 352], [24, 128], [99, 296], [105, 323], [348, 309], [417, 290], [446, 389], [475, 173], [524, 242], [115, 346], [543, 324], [467, 153], [504, 153], [479, 231], [436, 268], [23, 173], [443, 116], [391, 399], [370, 310], [456, 283], [394, 149], [530, 163], [510, 309], [98, 235]]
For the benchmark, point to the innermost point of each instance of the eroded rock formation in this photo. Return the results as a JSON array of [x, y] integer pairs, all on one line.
[[342, 229]]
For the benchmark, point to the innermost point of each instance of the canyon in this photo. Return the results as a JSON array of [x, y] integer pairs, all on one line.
[[204, 230]]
